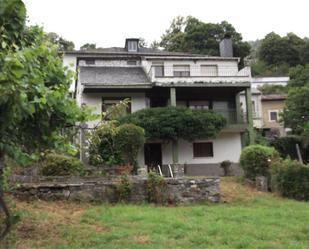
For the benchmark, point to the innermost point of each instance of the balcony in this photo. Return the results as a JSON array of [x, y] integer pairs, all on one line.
[[198, 74]]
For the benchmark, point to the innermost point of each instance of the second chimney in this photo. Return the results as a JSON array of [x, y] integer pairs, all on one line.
[[226, 47]]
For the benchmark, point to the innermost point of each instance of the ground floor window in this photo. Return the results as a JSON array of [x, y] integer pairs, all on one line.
[[203, 149]]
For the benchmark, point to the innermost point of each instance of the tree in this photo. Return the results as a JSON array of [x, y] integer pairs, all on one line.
[[172, 123], [142, 43], [194, 36], [35, 104], [88, 46], [63, 44], [296, 112]]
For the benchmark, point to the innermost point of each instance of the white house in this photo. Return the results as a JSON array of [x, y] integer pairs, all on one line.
[[155, 78]]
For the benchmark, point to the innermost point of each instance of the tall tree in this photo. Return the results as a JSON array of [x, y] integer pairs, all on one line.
[[35, 104], [194, 36], [63, 44]]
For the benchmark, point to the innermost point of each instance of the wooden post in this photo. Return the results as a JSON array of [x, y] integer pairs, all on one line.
[[249, 115], [175, 142]]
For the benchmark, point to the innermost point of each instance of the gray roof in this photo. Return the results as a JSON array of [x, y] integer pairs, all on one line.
[[113, 76], [118, 51]]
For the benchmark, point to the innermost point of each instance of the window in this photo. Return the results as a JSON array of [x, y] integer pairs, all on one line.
[[181, 70], [132, 46], [201, 104], [209, 70], [203, 149], [90, 61], [109, 102], [132, 63], [273, 116], [159, 71]]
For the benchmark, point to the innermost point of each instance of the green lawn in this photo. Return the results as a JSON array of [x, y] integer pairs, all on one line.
[[263, 221]]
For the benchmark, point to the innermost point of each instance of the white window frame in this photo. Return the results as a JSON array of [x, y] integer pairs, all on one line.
[[132, 46], [269, 116], [216, 72], [178, 68]]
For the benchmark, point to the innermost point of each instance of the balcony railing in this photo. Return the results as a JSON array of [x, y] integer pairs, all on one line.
[[231, 116], [197, 71]]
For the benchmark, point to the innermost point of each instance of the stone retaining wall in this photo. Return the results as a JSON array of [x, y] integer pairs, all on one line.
[[177, 190]]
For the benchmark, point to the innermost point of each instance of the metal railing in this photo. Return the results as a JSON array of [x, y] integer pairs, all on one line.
[[198, 71]]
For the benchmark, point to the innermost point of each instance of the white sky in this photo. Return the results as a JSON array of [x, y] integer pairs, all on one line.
[[108, 23]]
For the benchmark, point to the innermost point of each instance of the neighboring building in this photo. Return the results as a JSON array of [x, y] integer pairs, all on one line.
[[155, 78], [272, 106], [266, 108]]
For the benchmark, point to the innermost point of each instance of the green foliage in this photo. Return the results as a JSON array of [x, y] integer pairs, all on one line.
[[273, 89], [256, 159], [194, 36], [296, 111], [156, 187], [88, 46], [115, 145], [226, 166], [291, 179], [63, 44], [286, 146], [172, 123], [124, 188], [35, 105], [276, 50], [61, 165], [129, 139]]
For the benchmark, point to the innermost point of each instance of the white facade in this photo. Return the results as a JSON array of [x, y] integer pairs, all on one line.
[[260, 81]]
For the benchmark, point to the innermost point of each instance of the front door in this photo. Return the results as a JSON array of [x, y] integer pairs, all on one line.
[[153, 155]]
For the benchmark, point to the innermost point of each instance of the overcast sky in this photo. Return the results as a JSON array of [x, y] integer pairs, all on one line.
[[108, 23]]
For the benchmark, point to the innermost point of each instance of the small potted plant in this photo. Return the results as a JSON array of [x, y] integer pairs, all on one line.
[[226, 166]]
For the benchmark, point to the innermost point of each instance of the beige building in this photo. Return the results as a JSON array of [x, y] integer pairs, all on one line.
[[272, 106]]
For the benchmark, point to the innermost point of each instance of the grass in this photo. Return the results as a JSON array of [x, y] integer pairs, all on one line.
[[245, 219]]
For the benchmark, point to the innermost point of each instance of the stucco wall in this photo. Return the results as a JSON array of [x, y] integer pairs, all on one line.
[[227, 146], [94, 100], [268, 106]]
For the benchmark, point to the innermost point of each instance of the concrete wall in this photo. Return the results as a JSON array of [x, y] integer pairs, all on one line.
[[227, 146], [94, 100], [272, 105]]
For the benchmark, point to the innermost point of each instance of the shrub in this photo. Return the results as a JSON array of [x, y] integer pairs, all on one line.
[[255, 160], [286, 146], [102, 149], [124, 188], [155, 188], [291, 179], [129, 139], [172, 123], [115, 145], [61, 165], [226, 166]]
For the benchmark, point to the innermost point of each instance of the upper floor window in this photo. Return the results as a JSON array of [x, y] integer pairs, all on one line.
[[209, 70], [132, 46], [273, 115], [107, 103], [181, 70], [159, 70]]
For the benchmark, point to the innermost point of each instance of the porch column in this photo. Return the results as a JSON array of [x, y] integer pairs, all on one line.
[[238, 109], [174, 142], [249, 115]]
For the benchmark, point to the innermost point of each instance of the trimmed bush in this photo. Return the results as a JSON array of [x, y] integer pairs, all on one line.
[[61, 165], [128, 140], [256, 159], [172, 123], [291, 179]]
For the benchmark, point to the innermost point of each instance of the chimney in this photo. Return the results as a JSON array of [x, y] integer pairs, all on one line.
[[132, 44], [226, 47]]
